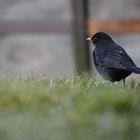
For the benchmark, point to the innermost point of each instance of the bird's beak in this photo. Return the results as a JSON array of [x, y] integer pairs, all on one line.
[[88, 38]]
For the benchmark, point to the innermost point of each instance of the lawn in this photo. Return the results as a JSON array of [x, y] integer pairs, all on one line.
[[74, 108]]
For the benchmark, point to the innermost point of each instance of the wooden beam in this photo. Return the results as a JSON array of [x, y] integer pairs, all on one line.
[[114, 26], [81, 46], [34, 27], [109, 25]]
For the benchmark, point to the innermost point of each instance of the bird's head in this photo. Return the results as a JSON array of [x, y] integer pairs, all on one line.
[[100, 38]]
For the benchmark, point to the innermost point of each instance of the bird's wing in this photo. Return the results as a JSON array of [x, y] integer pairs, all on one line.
[[119, 59], [114, 59]]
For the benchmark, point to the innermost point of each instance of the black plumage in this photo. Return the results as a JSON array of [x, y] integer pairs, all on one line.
[[110, 59]]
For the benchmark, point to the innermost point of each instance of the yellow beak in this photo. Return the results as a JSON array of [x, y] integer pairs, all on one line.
[[88, 38]]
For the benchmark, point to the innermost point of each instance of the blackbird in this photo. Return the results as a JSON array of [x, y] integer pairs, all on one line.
[[110, 59]]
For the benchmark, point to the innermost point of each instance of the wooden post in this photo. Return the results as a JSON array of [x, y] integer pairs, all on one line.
[[113, 26], [81, 46]]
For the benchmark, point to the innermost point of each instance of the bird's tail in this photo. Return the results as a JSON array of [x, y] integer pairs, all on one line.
[[136, 70]]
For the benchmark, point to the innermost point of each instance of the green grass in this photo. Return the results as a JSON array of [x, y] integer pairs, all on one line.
[[76, 108]]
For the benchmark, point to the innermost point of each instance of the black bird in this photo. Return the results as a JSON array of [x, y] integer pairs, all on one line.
[[110, 59]]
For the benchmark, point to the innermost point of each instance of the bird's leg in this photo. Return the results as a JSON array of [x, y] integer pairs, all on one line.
[[132, 83], [124, 82]]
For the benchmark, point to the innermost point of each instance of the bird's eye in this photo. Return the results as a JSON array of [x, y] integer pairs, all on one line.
[[95, 39]]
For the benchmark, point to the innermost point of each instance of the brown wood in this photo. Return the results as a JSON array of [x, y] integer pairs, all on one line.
[[80, 45], [109, 25], [114, 26], [34, 27]]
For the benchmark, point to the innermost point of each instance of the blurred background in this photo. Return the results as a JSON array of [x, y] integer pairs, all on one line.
[[47, 38], [39, 37]]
